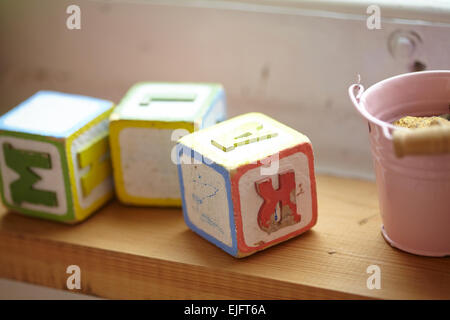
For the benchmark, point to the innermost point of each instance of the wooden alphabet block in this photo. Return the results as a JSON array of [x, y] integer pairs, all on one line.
[[144, 129], [247, 183], [54, 156]]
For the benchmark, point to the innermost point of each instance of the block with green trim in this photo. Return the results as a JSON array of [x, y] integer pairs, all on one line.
[[54, 156], [143, 132]]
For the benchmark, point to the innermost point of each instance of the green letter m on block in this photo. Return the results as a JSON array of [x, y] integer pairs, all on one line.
[[21, 161]]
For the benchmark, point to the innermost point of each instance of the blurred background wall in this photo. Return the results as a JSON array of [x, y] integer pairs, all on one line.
[[293, 60]]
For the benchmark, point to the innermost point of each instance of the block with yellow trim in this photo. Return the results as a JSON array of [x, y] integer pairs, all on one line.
[[247, 183], [144, 129], [54, 156]]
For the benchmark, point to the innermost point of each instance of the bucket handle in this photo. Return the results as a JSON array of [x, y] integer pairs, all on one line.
[[421, 141], [355, 92]]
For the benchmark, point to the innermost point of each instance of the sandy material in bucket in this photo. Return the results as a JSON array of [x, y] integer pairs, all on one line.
[[421, 122]]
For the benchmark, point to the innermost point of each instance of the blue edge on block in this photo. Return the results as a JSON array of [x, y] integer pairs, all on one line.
[[220, 96], [104, 105], [195, 155]]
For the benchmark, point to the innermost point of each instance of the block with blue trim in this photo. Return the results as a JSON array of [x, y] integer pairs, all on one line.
[[54, 156], [247, 183]]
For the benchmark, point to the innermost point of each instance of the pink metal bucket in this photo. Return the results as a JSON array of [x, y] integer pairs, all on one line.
[[413, 191]]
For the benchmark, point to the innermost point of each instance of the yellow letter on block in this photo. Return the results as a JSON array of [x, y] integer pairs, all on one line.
[[246, 133], [94, 155]]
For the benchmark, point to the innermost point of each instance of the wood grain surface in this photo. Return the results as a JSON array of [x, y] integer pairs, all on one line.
[[128, 252]]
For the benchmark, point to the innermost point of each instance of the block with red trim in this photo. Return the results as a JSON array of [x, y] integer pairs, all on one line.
[[247, 183], [54, 156]]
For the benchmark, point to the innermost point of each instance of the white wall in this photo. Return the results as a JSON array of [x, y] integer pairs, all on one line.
[[290, 63]]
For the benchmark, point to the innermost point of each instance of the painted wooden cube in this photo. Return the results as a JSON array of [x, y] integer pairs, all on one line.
[[247, 183], [144, 129], [54, 156]]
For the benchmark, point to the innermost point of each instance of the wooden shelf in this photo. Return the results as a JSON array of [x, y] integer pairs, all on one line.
[[127, 252]]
